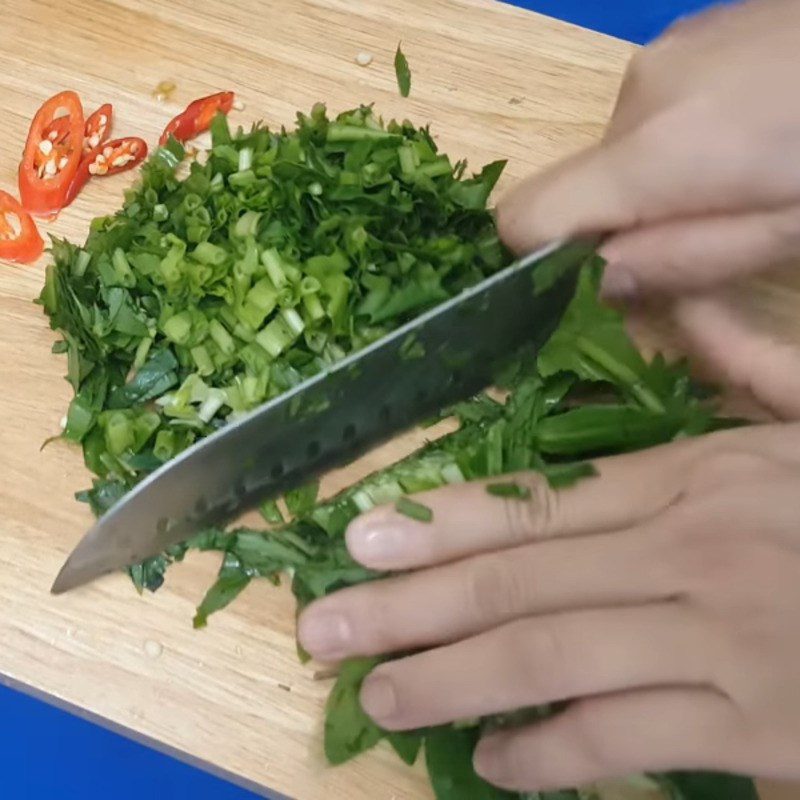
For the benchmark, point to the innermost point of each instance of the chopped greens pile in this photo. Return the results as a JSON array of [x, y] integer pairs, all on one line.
[[278, 255]]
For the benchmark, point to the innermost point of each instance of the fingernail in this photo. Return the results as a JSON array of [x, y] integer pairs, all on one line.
[[378, 697], [618, 284], [377, 545], [326, 636], [488, 759]]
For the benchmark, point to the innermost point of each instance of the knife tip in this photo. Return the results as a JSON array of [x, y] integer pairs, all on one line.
[[68, 577], [60, 584]]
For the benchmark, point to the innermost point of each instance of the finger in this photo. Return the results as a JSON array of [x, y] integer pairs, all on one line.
[[467, 519], [449, 603], [541, 660], [744, 357], [648, 175], [651, 730], [696, 254]]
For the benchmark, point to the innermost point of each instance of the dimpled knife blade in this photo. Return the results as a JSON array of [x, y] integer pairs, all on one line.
[[444, 355]]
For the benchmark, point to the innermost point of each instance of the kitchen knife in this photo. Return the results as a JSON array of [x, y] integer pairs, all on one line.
[[440, 357]]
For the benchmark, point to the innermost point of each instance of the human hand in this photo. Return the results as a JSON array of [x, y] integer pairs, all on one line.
[[662, 597], [697, 182]]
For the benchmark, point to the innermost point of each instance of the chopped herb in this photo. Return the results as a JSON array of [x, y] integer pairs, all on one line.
[[414, 510], [560, 476], [509, 489], [193, 304], [348, 730], [402, 72], [411, 348], [271, 513]]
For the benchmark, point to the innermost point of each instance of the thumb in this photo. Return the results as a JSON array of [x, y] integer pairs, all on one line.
[[743, 356]]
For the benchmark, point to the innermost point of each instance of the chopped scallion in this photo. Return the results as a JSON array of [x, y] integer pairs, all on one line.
[[414, 510]]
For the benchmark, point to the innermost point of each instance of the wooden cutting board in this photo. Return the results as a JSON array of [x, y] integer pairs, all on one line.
[[494, 82]]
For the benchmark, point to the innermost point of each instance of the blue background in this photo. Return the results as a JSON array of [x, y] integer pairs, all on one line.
[[48, 754]]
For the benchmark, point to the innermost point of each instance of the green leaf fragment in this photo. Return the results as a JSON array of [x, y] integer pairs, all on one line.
[[508, 489], [271, 513], [406, 745], [707, 786], [348, 730], [300, 501], [562, 476], [448, 758], [229, 584], [402, 72]]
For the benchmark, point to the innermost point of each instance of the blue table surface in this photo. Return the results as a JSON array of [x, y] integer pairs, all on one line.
[[49, 754]]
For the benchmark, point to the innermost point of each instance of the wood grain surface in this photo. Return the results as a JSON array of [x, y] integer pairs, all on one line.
[[493, 81]]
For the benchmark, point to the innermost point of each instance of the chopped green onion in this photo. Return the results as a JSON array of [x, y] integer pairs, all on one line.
[[142, 349], [509, 489], [122, 267], [212, 404], [247, 224], [561, 476], [363, 501], [313, 306], [409, 161], [275, 267], [164, 447], [276, 336], [413, 509], [202, 360], [208, 253], [222, 338], [293, 320], [80, 263], [119, 433], [245, 158], [178, 328], [452, 473]]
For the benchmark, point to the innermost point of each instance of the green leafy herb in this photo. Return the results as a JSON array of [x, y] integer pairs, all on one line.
[[560, 263], [707, 786], [508, 489], [402, 72], [406, 745], [301, 501], [231, 581], [448, 757], [271, 513], [414, 510], [411, 348], [348, 730]]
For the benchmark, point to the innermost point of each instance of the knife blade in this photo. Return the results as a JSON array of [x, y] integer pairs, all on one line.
[[444, 355]]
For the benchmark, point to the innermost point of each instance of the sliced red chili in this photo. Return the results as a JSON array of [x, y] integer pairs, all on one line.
[[49, 163], [97, 128], [19, 238], [197, 117], [111, 158], [57, 130]]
